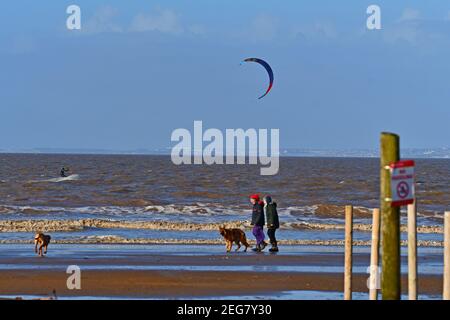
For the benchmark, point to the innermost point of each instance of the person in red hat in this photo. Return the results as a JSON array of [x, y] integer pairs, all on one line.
[[258, 222]]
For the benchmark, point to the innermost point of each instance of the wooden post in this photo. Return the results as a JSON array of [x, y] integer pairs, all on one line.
[[373, 282], [412, 251], [390, 220], [446, 294], [348, 252]]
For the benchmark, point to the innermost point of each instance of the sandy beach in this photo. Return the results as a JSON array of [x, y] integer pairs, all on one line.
[[146, 272]]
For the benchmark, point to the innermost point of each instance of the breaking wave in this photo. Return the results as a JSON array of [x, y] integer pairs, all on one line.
[[78, 225], [32, 225], [203, 212], [73, 177]]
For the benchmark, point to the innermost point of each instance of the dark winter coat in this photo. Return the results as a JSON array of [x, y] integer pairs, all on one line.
[[272, 216], [258, 214]]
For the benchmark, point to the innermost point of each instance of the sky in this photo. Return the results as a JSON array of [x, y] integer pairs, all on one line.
[[137, 70]]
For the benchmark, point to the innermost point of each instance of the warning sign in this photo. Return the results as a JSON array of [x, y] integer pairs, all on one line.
[[402, 183]]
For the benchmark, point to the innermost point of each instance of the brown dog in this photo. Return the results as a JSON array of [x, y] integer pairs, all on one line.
[[42, 240], [234, 236]]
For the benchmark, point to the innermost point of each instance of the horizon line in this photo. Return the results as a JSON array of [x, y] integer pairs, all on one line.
[[436, 153]]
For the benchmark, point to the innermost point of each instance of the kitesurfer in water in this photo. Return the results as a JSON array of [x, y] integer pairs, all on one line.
[[63, 172]]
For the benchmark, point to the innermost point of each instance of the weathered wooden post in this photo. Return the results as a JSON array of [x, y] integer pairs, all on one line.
[[348, 252], [446, 294], [412, 251], [390, 220], [375, 249]]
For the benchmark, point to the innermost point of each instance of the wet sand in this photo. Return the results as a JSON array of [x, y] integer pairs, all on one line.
[[179, 284], [137, 273]]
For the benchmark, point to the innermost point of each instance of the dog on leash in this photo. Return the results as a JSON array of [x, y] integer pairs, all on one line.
[[234, 236], [42, 241]]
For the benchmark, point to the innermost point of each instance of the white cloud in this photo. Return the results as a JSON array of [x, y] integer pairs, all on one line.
[[159, 20], [414, 29], [316, 31], [409, 14], [264, 27], [102, 21], [406, 33], [406, 28], [165, 21]]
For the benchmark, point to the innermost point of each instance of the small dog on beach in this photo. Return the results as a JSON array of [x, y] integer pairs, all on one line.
[[42, 240], [234, 236]]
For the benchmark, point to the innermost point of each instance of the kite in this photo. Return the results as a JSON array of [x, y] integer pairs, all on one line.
[[268, 69]]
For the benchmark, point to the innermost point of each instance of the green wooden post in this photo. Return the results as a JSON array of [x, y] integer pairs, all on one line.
[[390, 220]]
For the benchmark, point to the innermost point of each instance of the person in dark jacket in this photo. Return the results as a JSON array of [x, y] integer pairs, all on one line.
[[63, 172], [273, 223], [258, 222]]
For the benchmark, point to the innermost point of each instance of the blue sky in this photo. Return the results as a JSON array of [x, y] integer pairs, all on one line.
[[140, 69]]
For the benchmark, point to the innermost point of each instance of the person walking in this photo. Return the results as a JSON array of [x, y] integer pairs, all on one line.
[[258, 222], [272, 221]]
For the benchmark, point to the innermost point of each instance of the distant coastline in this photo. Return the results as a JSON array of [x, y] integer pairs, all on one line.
[[425, 153]]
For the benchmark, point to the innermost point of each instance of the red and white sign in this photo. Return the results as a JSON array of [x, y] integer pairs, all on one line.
[[402, 183]]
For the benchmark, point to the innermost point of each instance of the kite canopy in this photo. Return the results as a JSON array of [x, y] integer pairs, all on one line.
[[268, 69]]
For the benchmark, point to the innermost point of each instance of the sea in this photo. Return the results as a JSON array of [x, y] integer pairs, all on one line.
[[148, 199]]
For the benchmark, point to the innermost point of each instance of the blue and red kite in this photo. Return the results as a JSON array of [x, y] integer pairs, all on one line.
[[268, 69]]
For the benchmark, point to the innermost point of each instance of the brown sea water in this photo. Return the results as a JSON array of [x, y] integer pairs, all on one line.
[[151, 189]]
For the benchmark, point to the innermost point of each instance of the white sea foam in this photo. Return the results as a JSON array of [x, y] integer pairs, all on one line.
[[34, 225], [200, 213], [73, 177]]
